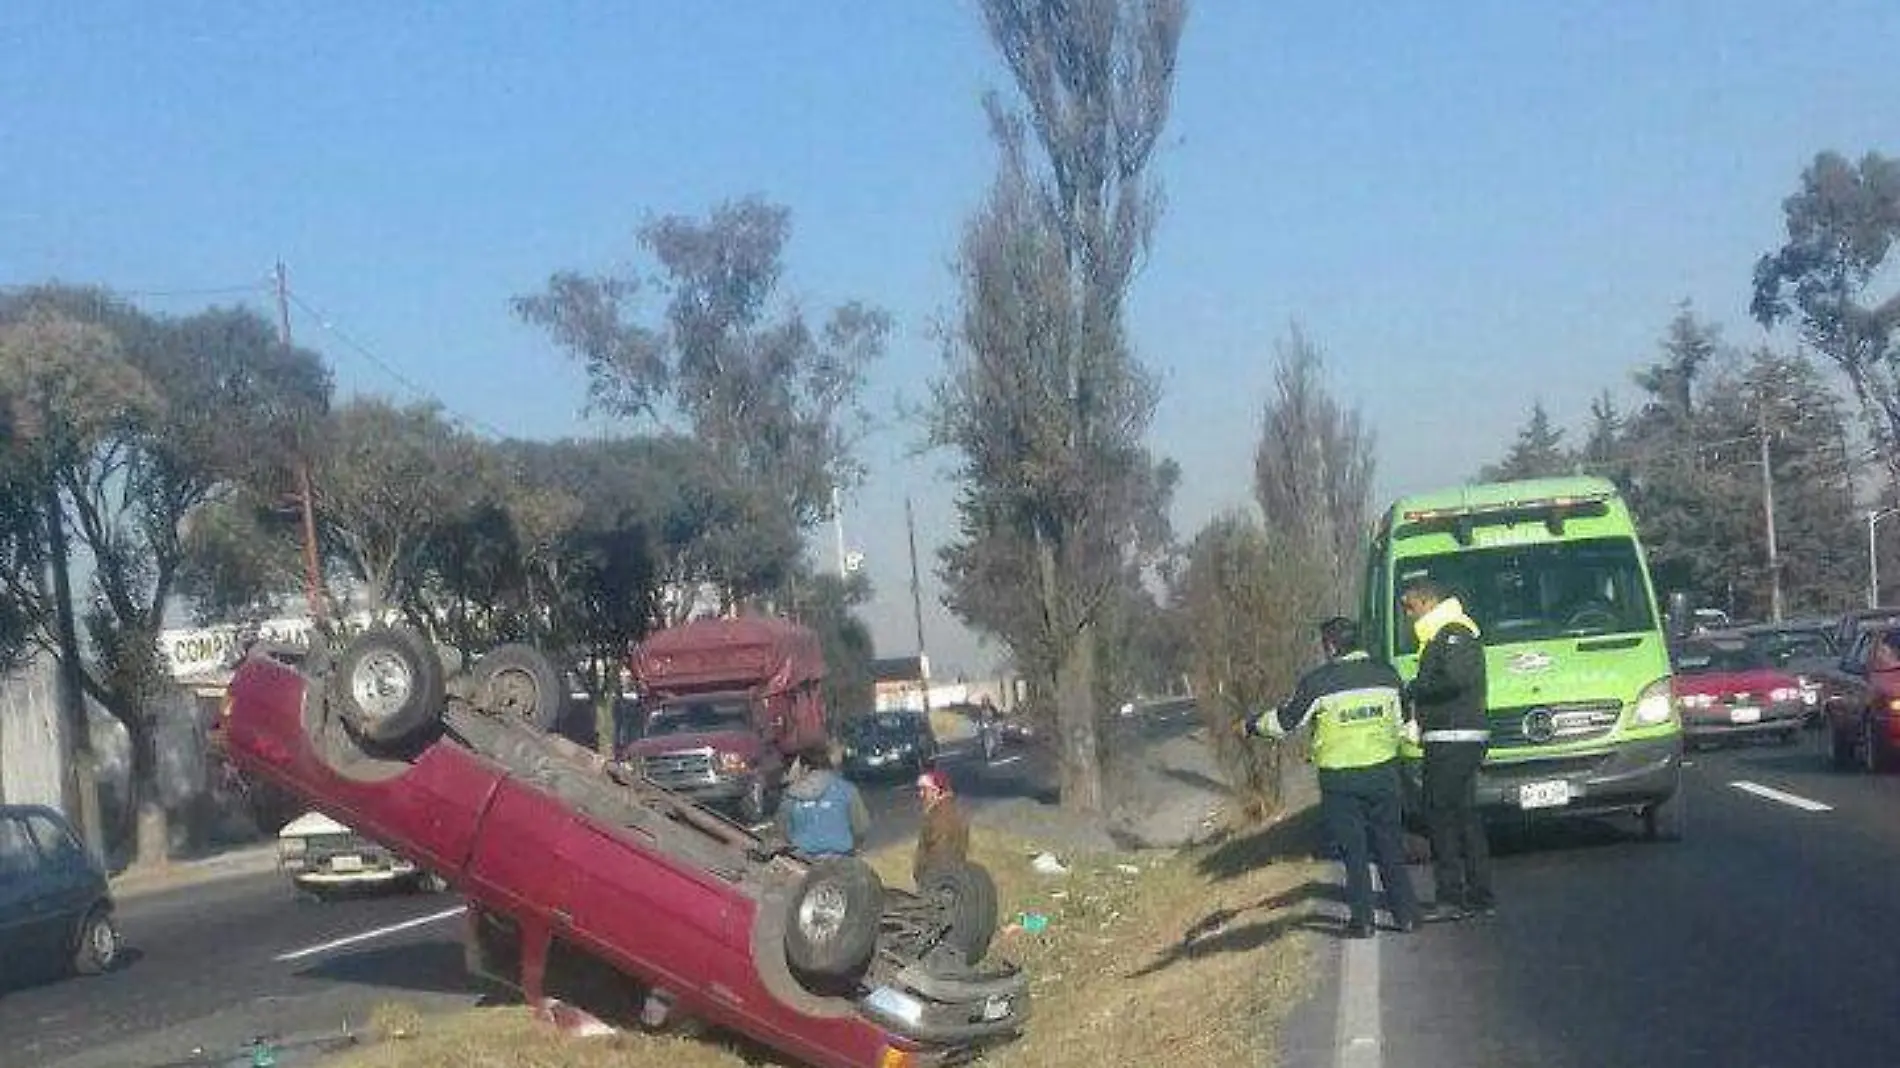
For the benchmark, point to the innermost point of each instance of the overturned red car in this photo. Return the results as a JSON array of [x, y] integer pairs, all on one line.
[[588, 883]]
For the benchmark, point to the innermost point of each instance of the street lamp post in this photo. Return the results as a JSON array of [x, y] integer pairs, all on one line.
[[1873, 554]]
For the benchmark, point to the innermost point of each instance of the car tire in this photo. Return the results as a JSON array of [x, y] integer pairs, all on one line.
[[834, 919], [966, 896], [96, 944], [519, 682], [1666, 820], [388, 685], [1841, 750], [1873, 760]]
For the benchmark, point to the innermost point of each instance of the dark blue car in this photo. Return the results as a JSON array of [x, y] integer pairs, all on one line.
[[55, 906]]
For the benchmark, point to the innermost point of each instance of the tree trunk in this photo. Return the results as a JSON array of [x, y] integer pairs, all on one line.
[[1080, 756], [151, 841]]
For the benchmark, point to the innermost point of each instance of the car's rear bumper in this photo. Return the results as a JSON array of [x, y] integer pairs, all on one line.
[[1707, 731], [957, 1014], [1628, 778]]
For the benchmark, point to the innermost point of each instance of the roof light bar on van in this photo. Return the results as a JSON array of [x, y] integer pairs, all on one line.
[[1533, 504]]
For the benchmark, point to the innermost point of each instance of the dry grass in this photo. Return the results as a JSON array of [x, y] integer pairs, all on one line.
[[1147, 959]]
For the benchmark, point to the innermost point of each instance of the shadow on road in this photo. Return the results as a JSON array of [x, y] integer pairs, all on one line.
[[424, 967], [1796, 761], [16, 978], [1217, 933]]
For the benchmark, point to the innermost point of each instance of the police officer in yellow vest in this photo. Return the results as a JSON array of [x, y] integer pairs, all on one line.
[[1354, 704]]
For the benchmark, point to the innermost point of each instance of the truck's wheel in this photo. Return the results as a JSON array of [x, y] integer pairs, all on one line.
[[388, 684], [518, 682], [966, 896], [835, 914]]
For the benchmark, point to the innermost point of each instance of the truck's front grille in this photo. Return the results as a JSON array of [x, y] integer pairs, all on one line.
[[692, 767], [1553, 724]]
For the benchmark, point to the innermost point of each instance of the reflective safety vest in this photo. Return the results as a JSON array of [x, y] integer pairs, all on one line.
[[1356, 728]]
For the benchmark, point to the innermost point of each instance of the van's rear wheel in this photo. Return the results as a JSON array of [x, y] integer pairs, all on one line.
[[834, 918], [388, 685]]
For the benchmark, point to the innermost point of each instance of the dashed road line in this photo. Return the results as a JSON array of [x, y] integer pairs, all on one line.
[[1006, 760], [1791, 800], [366, 936]]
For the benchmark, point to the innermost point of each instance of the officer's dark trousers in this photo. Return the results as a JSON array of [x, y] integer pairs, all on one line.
[[1361, 809], [1461, 859]]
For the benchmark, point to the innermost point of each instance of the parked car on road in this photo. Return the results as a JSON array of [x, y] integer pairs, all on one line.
[[583, 876], [324, 857], [885, 743], [55, 904], [1861, 702], [1728, 686]]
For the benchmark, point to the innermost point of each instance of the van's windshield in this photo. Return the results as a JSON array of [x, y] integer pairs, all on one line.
[[1522, 593]]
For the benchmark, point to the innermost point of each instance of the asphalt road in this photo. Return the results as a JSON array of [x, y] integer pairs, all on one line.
[[215, 966], [1761, 939]]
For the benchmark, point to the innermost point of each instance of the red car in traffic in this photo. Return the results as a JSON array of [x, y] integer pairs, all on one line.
[[567, 859], [1861, 703], [1728, 686]]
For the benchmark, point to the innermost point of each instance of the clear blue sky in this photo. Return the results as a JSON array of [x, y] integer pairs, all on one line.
[[1468, 206]]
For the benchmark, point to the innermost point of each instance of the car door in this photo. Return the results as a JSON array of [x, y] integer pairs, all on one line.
[[1847, 687], [24, 920], [72, 884]]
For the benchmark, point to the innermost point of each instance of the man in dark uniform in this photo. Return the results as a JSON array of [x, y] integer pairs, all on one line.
[[1354, 705], [1448, 701]]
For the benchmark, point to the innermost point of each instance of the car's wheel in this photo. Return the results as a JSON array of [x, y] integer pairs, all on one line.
[[1666, 820], [966, 896], [388, 685], [518, 682], [1840, 748], [429, 882], [1873, 759], [834, 918], [96, 946]]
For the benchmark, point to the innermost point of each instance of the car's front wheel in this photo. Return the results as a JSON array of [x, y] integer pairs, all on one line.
[[96, 948], [388, 684]]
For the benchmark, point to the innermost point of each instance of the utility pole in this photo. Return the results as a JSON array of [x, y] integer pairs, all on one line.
[[917, 602], [1768, 508], [81, 771], [313, 574]]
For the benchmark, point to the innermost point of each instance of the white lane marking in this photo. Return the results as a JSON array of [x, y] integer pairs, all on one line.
[[1791, 800], [1005, 760], [339, 943], [1359, 1042]]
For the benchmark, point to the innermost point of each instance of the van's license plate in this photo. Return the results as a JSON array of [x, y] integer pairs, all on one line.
[[1543, 794]]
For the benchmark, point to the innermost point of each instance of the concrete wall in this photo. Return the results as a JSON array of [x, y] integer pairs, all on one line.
[[31, 771]]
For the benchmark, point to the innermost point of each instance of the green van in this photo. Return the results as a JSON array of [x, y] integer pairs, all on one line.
[[1582, 719]]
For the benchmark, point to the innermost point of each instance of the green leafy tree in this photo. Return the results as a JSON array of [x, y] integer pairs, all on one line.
[[147, 422], [1043, 402], [1538, 452], [829, 605], [1829, 277], [772, 399]]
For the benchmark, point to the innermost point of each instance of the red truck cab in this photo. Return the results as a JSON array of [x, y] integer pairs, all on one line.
[[728, 703], [574, 870]]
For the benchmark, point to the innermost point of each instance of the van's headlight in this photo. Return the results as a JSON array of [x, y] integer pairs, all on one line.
[[1654, 706]]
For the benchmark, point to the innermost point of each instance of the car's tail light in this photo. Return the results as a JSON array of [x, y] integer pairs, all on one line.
[[734, 763]]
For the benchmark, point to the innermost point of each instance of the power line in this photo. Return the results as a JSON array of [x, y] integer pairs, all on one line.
[[360, 348]]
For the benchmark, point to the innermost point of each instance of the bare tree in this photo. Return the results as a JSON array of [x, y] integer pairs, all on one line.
[[1313, 468], [1043, 400]]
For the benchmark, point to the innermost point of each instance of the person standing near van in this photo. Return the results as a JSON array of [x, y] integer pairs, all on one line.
[[1354, 705], [1448, 701]]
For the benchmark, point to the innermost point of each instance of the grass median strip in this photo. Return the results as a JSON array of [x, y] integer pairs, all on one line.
[[1187, 959]]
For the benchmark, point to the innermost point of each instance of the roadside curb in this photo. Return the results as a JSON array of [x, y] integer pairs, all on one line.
[[250, 860]]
